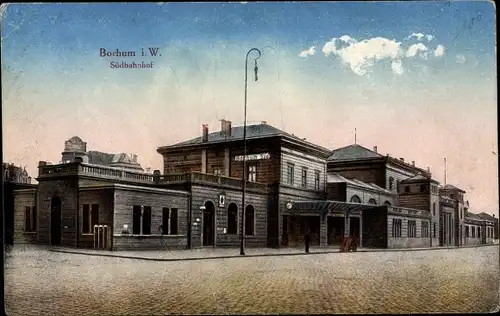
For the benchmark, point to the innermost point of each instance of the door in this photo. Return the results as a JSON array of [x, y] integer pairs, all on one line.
[[284, 239], [209, 224], [55, 221]]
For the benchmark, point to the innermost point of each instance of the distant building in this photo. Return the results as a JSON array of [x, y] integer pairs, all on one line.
[[15, 174]]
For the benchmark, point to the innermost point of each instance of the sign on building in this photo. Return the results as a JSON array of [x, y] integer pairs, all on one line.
[[222, 200], [261, 156]]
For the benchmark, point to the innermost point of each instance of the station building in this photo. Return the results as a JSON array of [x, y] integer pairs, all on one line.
[[294, 187]]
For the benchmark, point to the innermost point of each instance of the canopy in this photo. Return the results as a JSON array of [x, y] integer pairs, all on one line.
[[324, 207]]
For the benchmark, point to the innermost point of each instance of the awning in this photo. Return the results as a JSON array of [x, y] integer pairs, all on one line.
[[325, 207]]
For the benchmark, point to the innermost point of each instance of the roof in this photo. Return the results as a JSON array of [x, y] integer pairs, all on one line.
[[486, 216], [336, 178], [453, 188], [100, 158], [325, 206], [418, 178], [353, 152], [255, 131]]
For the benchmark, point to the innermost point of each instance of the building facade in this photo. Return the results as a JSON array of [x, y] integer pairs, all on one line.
[[293, 188]]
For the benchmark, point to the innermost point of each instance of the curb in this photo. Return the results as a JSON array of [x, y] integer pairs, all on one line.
[[256, 255]]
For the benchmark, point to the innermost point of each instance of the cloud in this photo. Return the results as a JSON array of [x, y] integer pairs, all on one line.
[[309, 52], [420, 36], [439, 52], [417, 49], [460, 59], [361, 56], [397, 67]]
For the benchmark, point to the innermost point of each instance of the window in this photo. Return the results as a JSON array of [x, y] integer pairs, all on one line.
[[252, 173], [435, 231], [387, 203], [355, 199], [304, 177], [30, 219], [290, 173], [396, 228], [479, 232], [467, 231], [372, 201], [94, 218], [316, 180], [434, 209], [136, 222], [473, 232], [391, 183], [249, 220], [461, 213], [412, 229], [232, 219], [425, 229], [146, 220], [217, 172], [170, 224], [90, 218], [422, 188], [407, 189]]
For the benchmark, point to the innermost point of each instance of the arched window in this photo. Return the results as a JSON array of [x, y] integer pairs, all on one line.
[[249, 220], [232, 219], [434, 209], [355, 199], [387, 203], [372, 201], [391, 183]]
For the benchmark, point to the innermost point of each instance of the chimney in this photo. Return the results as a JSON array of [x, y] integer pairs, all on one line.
[[402, 159], [428, 169], [156, 176], [42, 163], [375, 148], [223, 126], [413, 163], [228, 128], [204, 137], [263, 122]]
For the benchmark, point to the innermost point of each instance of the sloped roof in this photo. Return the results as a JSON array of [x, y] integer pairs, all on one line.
[[416, 178], [336, 178], [486, 216], [353, 152], [254, 131], [100, 158], [453, 188]]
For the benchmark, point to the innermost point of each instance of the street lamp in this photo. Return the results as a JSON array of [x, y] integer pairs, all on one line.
[[242, 230]]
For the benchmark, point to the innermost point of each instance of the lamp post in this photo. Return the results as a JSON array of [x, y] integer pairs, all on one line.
[[242, 230]]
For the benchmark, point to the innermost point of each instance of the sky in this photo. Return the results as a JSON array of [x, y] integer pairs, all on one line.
[[415, 79]]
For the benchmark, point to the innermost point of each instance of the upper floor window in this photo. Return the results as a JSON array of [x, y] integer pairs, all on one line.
[[407, 189], [391, 183], [252, 173], [304, 177], [217, 172], [355, 199], [290, 170], [387, 203], [316, 180], [372, 201], [434, 209], [422, 188]]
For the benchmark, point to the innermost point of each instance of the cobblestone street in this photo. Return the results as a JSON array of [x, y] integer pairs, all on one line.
[[39, 282]]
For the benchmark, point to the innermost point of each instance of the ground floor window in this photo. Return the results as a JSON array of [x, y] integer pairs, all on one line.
[[479, 232], [136, 220], [412, 229], [396, 228], [467, 231], [425, 229], [170, 223], [90, 218], [435, 230], [30, 219], [249, 220], [473, 232], [232, 219]]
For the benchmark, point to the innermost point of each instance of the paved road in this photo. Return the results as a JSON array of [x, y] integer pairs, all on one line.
[[39, 282]]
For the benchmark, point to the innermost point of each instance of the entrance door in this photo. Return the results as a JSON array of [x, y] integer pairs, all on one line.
[[284, 238], [354, 228], [209, 224], [55, 221], [335, 230]]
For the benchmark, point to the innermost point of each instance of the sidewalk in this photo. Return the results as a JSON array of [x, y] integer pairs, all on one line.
[[226, 253]]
